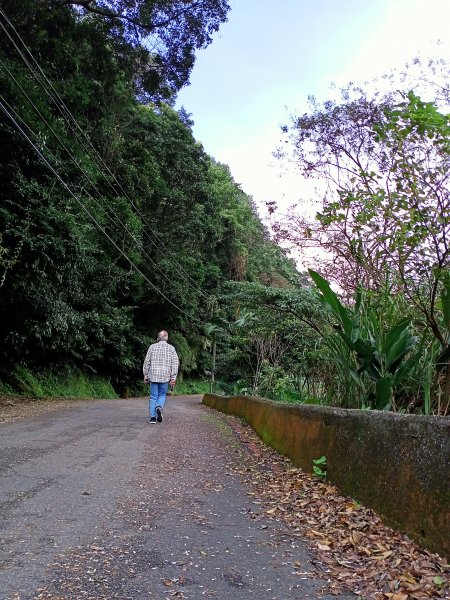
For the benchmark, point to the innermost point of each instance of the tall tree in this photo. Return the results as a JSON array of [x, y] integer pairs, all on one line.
[[165, 35], [386, 209]]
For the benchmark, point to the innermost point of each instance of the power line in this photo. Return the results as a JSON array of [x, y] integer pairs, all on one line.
[[94, 220], [64, 112], [75, 161]]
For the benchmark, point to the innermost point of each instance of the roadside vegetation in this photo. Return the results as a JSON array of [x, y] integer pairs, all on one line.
[[116, 223], [383, 237], [66, 383]]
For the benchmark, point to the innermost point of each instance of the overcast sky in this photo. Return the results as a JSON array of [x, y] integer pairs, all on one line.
[[270, 56]]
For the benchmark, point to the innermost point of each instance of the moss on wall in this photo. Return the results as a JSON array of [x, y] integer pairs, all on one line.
[[396, 464]]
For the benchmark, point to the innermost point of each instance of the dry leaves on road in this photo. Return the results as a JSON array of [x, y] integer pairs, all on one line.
[[354, 551], [14, 409]]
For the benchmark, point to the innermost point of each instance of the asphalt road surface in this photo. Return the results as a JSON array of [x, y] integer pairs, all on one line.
[[96, 503]]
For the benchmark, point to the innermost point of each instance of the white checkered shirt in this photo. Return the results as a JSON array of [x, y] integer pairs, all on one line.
[[161, 363]]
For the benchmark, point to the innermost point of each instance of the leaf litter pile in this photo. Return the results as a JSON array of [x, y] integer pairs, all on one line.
[[354, 551]]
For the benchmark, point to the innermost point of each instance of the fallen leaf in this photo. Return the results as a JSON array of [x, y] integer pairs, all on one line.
[[271, 511], [323, 547], [356, 537], [407, 577], [353, 549]]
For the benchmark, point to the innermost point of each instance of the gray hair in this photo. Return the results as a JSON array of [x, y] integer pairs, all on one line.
[[162, 336]]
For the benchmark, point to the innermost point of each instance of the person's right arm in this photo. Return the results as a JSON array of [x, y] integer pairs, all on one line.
[[146, 366]]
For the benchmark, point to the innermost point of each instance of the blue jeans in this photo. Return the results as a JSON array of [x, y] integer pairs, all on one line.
[[158, 393]]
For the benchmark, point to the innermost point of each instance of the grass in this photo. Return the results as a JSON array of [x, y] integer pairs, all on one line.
[[71, 383], [192, 386], [139, 389], [49, 384]]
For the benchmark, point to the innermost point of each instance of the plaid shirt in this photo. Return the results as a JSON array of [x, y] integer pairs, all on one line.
[[161, 363]]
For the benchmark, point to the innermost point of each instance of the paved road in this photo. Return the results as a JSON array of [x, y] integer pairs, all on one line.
[[95, 503]]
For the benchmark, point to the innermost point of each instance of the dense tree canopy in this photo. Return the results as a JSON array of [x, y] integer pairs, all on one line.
[[153, 42], [114, 222]]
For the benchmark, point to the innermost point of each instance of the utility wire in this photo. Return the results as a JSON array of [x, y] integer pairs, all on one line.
[[67, 115], [4, 109], [64, 112], [75, 161]]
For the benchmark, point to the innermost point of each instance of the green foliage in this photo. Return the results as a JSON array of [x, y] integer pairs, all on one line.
[[191, 386], [416, 116], [186, 353], [183, 386], [272, 329], [382, 352], [440, 582], [68, 295], [445, 299], [427, 375], [67, 383], [320, 466], [386, 211], [173, 30]]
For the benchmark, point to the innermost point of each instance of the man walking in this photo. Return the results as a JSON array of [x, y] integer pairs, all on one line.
[[160, 368]]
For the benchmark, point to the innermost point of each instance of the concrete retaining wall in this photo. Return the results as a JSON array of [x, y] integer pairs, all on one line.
[[396, 464]]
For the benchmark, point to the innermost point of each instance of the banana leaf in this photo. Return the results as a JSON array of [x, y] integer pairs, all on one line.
[[383, 392], [331, 299], [406, 367], [398, 343]]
